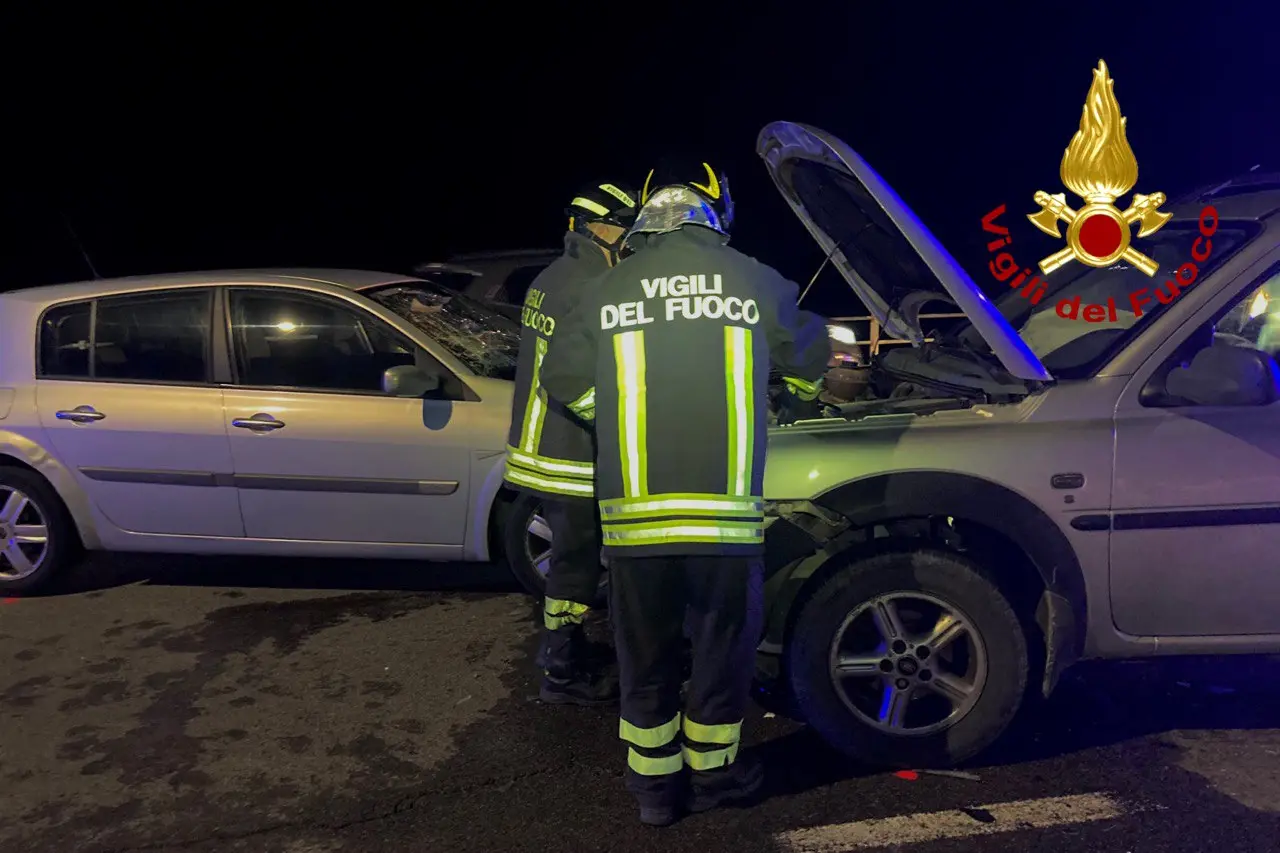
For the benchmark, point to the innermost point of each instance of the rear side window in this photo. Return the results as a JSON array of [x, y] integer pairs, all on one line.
[[65, 339], [155, 337]]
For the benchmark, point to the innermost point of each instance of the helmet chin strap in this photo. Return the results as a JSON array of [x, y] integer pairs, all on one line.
[[610, 249]]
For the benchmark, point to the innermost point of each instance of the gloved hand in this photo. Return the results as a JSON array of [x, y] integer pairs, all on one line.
[[791, 408]]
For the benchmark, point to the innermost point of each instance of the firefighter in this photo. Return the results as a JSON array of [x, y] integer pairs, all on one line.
[[670, 352], [551, 452]]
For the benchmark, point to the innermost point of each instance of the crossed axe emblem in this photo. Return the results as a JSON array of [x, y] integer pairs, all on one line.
[[1113, 237]]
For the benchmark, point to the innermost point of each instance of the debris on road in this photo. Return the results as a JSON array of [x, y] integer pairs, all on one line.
[[954, 774]]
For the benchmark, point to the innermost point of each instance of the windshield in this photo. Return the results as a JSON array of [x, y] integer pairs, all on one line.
[[486, 342], [1073, 348]]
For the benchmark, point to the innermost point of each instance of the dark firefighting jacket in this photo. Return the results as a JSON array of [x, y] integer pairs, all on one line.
[[550, 450], [671, 351]]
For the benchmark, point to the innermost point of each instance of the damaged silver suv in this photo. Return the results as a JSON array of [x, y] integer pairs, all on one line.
[[1027, 490]]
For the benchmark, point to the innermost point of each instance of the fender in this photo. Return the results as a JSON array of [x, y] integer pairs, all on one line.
[[913, 494], [487, 469], [18, 447]]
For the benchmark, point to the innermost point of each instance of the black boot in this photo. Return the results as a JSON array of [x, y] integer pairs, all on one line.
[[579, 689], [737, 784]]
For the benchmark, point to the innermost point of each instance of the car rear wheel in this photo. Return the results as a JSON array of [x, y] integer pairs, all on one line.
[[526, 541], [908, 659], [37, 540]]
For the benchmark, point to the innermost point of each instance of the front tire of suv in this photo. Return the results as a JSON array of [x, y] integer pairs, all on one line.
[[908, 659], [38, 540]]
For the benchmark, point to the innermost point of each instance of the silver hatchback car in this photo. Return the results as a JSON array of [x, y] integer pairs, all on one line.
[[283, 412]]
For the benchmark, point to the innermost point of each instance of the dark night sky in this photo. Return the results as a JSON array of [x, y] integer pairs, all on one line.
[[251, 138]]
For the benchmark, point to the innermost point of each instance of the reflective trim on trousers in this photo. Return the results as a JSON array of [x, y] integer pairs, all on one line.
[[558, 613], [649, 738], [647, 765]]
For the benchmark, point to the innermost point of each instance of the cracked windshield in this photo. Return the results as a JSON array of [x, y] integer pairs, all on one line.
[[483, 340]]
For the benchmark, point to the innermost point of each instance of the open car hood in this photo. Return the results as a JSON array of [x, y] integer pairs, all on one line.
[[886, 254]]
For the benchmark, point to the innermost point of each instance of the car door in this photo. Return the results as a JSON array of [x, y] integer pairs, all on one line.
[[320, 452], [1195, 545], [125, 391]]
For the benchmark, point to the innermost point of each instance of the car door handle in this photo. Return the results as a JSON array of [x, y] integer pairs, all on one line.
[[80, 415], [260, 422]]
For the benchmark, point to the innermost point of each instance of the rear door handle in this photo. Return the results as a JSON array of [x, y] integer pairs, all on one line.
[[261, 422], [80, 415]]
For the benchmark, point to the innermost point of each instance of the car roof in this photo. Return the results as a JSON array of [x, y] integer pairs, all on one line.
[[349, 279], [1254, 196], [506, 255]]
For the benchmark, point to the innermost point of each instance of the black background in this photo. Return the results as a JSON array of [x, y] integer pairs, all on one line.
[[212, 136]]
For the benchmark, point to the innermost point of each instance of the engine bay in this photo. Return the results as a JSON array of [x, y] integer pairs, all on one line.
[[902, 380]]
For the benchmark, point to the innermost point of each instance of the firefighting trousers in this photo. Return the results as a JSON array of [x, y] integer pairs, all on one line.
[[649, 600], [572, 583]]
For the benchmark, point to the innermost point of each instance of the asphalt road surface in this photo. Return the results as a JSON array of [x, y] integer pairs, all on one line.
[[179, 705]]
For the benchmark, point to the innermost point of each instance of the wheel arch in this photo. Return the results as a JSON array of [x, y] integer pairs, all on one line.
[[19, 452], [997, 520], [488, 500]]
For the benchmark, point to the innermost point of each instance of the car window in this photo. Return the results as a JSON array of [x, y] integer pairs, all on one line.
[[154, 337], [294, 340], [1252, 321], [1255, 320], [65, 339], [517, 284]]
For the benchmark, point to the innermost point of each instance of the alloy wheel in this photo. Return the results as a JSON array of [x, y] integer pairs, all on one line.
[[24, 535], [908, 663]]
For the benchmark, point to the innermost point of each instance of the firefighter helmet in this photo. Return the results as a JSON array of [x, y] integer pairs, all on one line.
[[677, 194], [606, 203]]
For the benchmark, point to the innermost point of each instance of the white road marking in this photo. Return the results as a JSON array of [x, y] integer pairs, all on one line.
[[933, 826]]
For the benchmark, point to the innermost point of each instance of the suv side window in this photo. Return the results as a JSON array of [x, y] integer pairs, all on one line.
[[294, 340], [1255, 320], [151, 337], [1252, 322]]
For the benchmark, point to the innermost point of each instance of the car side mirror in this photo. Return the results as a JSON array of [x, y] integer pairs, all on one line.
[[1226, 375], [408, 380]]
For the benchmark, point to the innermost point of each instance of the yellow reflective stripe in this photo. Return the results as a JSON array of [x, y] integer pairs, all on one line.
[[646, 766], [557, 613], [550, 464], [628, 355], [535, 411], [616, 509], [738, 375], [618, 194], [723, 733], [801, 388], [716, 758], [576, 488], [588, 415], [587, 204], [586, 401], [654, 533], [649, 738]]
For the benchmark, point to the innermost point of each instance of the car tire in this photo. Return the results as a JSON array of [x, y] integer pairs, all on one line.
[[526, 545], [521, 545], [846, 711], [42, 508]]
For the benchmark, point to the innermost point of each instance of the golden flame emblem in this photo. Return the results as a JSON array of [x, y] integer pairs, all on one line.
[[1099, 166]]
